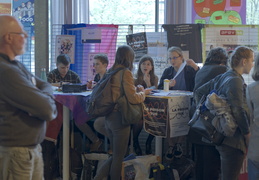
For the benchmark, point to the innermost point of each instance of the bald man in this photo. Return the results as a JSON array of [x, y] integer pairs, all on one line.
[[26, 104]]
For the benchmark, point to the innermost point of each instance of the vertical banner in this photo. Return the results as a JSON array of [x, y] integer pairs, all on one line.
[[157, 49], [219, 12], [187, 37], [155, 119], [24, 11], [178, 108], [65, 44], [138, 42]]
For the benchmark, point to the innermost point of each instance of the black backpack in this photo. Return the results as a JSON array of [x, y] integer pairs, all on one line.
[[100, 102]]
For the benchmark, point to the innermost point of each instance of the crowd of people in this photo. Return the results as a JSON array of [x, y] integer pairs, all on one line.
[[28, 111]]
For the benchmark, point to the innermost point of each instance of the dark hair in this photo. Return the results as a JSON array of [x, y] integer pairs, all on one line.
[[217, 55], [255, 73], [241, 52], [124, 56], [140, 75], [102, 57], [64, 59]]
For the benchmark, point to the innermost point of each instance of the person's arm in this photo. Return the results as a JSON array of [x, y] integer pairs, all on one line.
[[235, 98], [20, 92], [191, 63], [132, 95]]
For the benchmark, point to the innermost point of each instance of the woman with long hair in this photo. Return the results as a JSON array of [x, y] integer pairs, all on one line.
[[148, 79], [118, 132]]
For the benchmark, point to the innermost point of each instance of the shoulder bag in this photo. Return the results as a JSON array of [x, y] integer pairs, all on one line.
[[131, 113]]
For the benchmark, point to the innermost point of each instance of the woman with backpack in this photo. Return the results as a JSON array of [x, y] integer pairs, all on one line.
[[232, 86], [119, 133]]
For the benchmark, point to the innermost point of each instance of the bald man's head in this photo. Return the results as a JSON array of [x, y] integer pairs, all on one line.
[[12, 36], [8, 24]]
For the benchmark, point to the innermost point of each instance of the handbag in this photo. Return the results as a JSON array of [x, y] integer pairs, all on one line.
[[201, 123], [131, 113]]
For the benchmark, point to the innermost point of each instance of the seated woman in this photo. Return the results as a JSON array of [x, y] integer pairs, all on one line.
[[181, 74], [146, 77]]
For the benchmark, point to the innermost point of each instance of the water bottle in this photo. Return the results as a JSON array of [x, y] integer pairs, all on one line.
[[166, 84], [43, 74]]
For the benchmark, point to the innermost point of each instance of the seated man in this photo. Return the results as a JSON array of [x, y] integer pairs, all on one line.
[[62, 74]]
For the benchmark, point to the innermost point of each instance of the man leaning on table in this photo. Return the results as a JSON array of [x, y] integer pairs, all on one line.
[[26, 104]]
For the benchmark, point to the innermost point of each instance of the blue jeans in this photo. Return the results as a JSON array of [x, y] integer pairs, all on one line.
[[231, 162], [253, 170], [21, 163], [119, 135]]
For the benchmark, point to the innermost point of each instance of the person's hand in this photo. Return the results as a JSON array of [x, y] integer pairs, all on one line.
[[191, 63], [172, 83], [147, 79], [140, 88], [148, 91], [89, 84]]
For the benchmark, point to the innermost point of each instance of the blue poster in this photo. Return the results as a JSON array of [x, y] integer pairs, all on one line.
[[24, 11]]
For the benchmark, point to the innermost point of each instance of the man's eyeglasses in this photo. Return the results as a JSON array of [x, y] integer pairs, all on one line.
[[174, 58], [23, 34]]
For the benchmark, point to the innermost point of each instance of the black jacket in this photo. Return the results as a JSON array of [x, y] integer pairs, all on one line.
[[189, 74]]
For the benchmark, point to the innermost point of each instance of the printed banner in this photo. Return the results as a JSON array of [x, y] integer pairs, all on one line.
[[187, 37], [24, 11], [178, 108], [219, 11], [155, 119], [65, 44], [138, 42], [172, 110], [157, 49], [230, 37]]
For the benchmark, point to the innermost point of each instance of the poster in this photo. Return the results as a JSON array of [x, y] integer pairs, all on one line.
[[5, 8], [91, 35], [155, 119], [138, 42], [24, 11], [187, 37], [65, 44], [157, 49], [178, 108], [219, 12], [230, 37]]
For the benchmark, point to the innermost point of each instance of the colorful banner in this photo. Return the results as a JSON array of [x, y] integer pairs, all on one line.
[[24, 11], [219, 11], [138, 42], [187, 37]]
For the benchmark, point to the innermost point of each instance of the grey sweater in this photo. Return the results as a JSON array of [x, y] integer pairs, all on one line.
[[26, 104]]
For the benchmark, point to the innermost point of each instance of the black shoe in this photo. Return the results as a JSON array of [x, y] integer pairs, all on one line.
[[137, 149]]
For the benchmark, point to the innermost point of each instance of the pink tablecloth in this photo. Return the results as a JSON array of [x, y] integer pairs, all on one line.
[[76, 104]]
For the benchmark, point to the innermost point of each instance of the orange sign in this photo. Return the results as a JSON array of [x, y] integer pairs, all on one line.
[[5, 8]]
